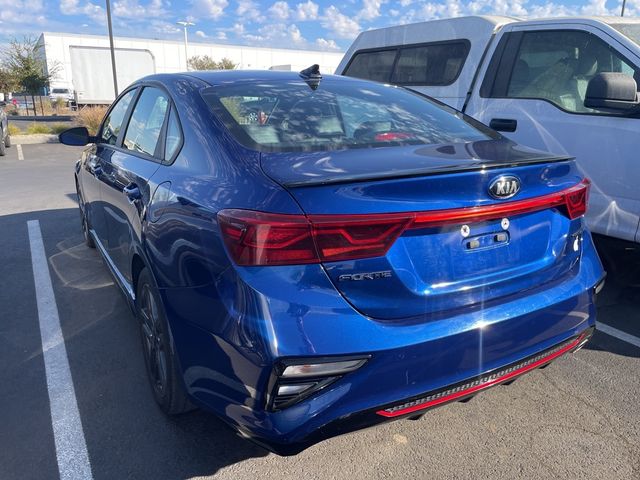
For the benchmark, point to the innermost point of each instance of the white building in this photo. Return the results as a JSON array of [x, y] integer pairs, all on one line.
[[83, 62]]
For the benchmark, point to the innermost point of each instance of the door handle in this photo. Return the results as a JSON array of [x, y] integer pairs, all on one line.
[[132, 192], [504, 124]]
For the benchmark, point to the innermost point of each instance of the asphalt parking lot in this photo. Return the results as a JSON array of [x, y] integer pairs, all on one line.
[[579, 418]]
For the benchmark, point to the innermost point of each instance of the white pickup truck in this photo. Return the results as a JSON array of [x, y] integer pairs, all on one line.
[[529, 80]]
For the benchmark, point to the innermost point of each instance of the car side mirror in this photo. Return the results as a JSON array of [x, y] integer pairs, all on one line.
[[612, 91], [76, 136]]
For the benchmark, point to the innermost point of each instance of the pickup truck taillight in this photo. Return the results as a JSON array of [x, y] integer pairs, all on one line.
[[260, 238]]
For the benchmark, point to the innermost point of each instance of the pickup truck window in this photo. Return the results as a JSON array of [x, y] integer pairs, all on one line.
[[556, 65], [430, 64]]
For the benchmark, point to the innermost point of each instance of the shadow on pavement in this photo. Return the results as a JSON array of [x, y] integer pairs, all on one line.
[[127, 436]]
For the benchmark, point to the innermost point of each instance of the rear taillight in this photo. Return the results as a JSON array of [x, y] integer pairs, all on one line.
[[577, 198], [257, 238]]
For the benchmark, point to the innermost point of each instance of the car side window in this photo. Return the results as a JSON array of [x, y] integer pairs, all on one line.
[[145, 126], [556, 65], [173, 136], [113, 123]]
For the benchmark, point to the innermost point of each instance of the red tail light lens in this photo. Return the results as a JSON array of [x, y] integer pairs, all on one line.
[[577, 199], [348, 237], [257, 238]]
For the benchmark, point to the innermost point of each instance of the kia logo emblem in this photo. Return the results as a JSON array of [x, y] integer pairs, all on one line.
[[505, 186]]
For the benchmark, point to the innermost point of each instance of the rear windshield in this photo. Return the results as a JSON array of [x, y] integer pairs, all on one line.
[[287, 116], [60, 90]]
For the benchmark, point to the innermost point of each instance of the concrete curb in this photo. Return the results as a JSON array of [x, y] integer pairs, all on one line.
[[39, 118], [34, 139]]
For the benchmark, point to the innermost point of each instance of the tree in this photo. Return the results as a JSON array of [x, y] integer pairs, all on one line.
[[205, 62], [7, 80], [25, 64]]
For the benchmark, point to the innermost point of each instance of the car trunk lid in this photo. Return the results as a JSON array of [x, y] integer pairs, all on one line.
[[456, 245]]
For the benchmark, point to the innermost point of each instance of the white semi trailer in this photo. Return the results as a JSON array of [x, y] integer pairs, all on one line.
[[92, 74]]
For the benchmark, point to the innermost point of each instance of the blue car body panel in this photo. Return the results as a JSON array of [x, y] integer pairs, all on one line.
[[445, 315]]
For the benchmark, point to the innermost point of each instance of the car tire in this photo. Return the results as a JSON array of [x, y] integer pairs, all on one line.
[[84, 222], [3, 146], [159, 355], [7, 141]]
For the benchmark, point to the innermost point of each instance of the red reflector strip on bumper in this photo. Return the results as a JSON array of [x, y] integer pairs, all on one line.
[[482, 383]]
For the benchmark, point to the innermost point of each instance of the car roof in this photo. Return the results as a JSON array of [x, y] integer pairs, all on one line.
[[220, 77]]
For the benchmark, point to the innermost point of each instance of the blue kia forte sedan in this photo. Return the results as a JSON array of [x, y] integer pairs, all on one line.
[[308, 255]]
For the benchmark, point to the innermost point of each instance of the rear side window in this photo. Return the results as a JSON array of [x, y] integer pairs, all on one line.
[[146, 122], [113, 123], [432, 64], [174, 136]]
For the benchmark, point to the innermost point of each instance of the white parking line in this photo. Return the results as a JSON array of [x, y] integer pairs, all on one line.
[[71, 448], [20, 154], [619, 334]]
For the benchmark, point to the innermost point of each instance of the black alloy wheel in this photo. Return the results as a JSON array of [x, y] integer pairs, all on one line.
[[159, 356]]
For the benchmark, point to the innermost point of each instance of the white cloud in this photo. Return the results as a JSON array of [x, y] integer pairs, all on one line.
[[280, 10], [135, 10], [91, 10], [201, 34], [341, 25], [165, 28], [220, 35], [238, 29], [370, 9], [324, 44], [295, 35], [249, 10], [213, 9], [307, 11]]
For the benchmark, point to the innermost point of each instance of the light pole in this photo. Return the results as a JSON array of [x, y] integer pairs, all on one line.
[[113, 52], [624, 4], [184, 25]]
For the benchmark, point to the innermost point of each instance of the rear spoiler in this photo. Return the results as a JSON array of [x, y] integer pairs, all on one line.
[[330, 178]]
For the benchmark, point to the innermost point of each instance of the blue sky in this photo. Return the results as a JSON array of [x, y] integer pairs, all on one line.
[[317, 24]]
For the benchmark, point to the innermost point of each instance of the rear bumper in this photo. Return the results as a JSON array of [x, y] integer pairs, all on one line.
[[418, 405], [228, 362]]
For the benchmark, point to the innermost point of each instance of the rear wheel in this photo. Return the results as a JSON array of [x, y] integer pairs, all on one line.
[[159, 356], [3, 144]]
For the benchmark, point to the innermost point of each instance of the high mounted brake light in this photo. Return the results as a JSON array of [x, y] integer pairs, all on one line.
[[258, 238]]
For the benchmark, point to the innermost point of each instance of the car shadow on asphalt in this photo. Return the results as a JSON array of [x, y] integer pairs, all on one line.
[[127, 435]]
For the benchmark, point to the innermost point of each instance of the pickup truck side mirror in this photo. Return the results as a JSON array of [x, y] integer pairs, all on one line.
[[612, 91], [77, 136]]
